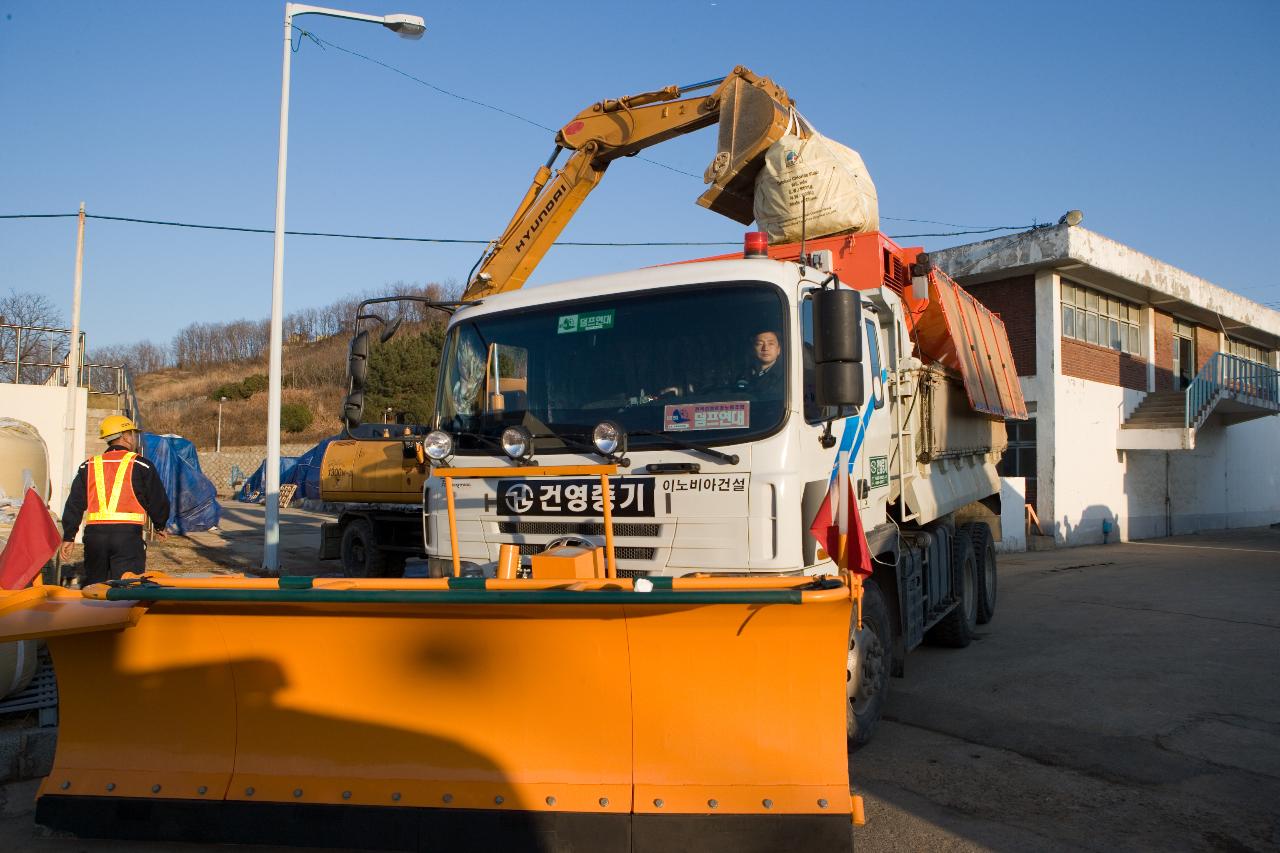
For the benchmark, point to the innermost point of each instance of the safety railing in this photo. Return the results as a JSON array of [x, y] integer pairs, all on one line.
[[1230, 376], [40, 355]]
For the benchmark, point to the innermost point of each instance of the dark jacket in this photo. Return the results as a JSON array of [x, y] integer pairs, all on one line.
[[146, 485], [769, 385]]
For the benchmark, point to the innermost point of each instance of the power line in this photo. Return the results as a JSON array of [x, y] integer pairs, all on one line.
[[446, 240], [326, 43]]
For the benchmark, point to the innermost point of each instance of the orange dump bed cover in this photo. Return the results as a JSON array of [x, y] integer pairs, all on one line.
[[964, 335]]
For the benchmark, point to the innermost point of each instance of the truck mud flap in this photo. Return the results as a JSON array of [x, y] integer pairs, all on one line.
[[428, 713]]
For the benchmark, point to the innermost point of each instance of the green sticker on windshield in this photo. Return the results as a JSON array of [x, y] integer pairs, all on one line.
[[591, 321]]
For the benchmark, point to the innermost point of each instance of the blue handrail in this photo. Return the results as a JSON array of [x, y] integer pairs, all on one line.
[[1226, 375]]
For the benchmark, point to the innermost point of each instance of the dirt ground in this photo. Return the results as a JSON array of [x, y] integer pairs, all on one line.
[[1125, 697], [236, 546]]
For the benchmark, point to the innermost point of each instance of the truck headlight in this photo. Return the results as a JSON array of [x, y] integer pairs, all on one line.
[[609, 438], [517, 442], [438, 445]]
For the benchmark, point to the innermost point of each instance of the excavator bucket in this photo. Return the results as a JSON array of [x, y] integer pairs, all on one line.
[[449, 713], [754, 114]]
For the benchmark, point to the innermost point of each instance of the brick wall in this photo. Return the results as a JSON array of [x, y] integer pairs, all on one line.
[[1206, 345], [1164, 351], [1014, 299], [1102, 364]]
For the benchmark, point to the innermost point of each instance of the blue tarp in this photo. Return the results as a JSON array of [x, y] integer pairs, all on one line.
[[307, 472], [192, 495], [251, 491], [303, 471]]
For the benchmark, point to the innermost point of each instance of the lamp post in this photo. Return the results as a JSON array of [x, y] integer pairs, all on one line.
[[406, 26], [221, 400]]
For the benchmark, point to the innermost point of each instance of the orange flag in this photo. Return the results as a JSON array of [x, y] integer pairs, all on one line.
[[34, 541]]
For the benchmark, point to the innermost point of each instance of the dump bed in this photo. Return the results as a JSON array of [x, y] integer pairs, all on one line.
[[950, 451]]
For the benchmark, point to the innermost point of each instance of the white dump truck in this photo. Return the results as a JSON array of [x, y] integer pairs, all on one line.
[[726, 391]]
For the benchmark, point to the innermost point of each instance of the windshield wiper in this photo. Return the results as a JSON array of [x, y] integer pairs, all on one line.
[[730, 458], [587, 446]]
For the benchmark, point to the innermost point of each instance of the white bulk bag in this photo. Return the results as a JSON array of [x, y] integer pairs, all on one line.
[[831, 179]]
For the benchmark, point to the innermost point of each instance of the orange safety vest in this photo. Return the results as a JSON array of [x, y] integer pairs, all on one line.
[[113, 471]]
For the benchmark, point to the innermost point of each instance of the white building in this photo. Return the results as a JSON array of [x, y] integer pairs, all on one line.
[[1150, 390]]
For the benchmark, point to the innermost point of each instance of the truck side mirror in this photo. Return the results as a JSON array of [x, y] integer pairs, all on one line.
[[358, 361], [837, 347], [358, 371], [353, 409]]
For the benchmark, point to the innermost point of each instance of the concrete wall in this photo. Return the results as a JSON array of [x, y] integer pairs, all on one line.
[[1013, 515], [218, 467], [1231, 479], [45, 408]]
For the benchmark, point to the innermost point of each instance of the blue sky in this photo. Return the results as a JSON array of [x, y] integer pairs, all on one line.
[[1159, 120]]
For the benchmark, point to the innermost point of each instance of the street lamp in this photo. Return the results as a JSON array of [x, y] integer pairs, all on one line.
[[406, 26], [221, 400]]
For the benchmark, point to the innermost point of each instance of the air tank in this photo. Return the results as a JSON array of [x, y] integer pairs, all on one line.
[[23, 459]]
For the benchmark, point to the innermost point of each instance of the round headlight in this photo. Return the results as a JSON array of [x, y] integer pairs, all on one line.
[[608, 437], [438, 445], [517, 442]]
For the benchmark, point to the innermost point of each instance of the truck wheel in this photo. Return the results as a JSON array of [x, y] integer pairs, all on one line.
[[867, 672], [958, 627], [984, 548], [360, 557]]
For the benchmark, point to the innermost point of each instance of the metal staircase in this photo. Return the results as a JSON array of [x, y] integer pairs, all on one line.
[[1227, 390]]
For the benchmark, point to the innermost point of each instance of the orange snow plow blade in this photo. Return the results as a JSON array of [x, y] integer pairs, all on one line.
[[449, 713]]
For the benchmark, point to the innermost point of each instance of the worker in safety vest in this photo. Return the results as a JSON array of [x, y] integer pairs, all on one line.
[[114, 493]]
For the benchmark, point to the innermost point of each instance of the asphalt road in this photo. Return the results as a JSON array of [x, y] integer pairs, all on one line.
[[1125, 697]]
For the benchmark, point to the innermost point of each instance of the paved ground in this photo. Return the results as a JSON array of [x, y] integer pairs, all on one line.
[[1125, 697]]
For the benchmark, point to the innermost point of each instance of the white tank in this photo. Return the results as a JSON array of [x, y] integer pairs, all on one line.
[[17, 666], [23, 458]]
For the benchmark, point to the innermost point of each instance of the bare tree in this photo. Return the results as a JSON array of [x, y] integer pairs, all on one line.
[[31, 346]]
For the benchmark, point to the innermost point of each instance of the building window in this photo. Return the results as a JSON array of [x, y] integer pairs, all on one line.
[[1097, 318], [1248, 351]]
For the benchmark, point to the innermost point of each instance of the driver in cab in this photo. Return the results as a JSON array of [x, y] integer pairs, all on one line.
[[766, 378]]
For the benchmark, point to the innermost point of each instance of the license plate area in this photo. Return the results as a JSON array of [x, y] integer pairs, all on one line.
[[632, 497]]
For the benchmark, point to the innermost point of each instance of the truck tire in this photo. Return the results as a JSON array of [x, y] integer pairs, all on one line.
[[984, 548], [958, 627], [360, 557], [867, 670]]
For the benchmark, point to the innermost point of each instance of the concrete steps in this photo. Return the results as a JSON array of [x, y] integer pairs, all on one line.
[[1159, 410]]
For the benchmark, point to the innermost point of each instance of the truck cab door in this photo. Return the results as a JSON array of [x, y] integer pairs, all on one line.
[[872, 469]]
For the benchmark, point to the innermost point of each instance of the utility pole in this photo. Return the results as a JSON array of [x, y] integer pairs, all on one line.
[[74, 357]]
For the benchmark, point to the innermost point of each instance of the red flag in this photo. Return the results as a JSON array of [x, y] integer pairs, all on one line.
[[32, 543], [826, 529]]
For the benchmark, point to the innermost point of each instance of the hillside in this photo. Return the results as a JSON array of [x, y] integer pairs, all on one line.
[[183, 401]]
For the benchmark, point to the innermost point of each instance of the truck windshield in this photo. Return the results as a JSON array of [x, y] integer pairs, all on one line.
[[708, 364]]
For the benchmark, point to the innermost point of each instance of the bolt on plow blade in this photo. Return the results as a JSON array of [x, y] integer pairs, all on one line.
[[449, 714]]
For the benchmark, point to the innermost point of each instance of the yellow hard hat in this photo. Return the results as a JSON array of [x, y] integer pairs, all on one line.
[[114, 425]]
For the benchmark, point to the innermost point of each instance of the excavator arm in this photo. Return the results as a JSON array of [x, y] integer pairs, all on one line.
[[753, 113]]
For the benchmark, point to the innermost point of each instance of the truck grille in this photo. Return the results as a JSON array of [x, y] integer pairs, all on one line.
[[581, 528], [622, 552]]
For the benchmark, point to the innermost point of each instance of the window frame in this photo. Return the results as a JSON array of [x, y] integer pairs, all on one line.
[[1098, 318]]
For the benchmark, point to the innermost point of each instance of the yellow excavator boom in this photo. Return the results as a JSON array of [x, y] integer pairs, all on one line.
[[753, 113]]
